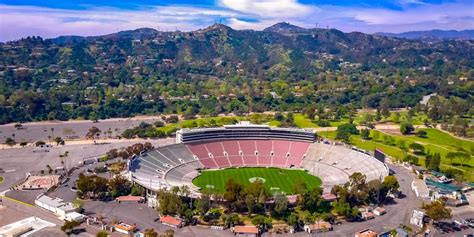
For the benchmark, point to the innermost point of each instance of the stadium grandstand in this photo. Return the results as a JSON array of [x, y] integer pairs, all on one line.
[[248, 145]]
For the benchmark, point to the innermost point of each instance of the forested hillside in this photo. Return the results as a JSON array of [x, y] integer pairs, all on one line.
[[218, 69]]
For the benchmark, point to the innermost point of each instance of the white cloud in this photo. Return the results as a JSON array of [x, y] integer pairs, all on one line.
[[270, 8], [19, 21]]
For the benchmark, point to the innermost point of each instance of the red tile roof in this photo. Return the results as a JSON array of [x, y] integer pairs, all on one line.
[[366, 233], [129, 199], [246, 229], [170, 220]]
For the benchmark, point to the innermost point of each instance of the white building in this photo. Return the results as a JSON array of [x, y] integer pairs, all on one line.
[[420, 188], [55, 205], [417, 218]]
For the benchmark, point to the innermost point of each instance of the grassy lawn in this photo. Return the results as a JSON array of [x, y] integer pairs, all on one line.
[[274, 178], [200, 122], [1, 179], [302, 121], [417, 119], [440, 138]]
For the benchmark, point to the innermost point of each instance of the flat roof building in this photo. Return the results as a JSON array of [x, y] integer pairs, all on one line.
[[320, 226], [246, 230], [55, 205], [366, 233], [420, 188]]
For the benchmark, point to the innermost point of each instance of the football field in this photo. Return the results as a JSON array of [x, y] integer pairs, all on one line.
[[274, 179]]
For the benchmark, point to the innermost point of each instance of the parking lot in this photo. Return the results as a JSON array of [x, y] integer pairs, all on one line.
[[35, 131], [17, 162]]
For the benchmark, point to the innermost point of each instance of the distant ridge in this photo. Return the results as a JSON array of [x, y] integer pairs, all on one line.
[[140, 33], [285, 28], [433, 34]]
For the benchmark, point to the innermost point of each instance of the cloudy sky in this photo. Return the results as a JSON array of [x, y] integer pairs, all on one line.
[[51, 18]]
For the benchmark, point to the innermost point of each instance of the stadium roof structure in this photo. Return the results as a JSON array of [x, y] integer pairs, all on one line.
[[243, 129]]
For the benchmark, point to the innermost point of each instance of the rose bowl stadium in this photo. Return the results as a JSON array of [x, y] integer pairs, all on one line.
[[243, 146]]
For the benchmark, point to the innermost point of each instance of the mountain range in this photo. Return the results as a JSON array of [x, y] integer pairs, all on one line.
[[140, 70], [433, 34], [281, 28]]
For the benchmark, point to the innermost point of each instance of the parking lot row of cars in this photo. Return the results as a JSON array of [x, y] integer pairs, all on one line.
[[457, 225]]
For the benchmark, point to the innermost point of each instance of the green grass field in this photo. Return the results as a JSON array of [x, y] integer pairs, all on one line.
[[275, 179]]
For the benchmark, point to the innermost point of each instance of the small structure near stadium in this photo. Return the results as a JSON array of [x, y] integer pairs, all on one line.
[[246, 230], [55, 205]]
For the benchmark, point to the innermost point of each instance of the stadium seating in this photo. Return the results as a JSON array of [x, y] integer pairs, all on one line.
[[179, 164]]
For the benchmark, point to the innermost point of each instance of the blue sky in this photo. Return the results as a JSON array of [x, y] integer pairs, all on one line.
[[51, 18]]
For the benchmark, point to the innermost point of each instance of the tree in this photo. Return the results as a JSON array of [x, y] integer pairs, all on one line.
[[293, 220], [159, 124], [232, 190], [416, 147], [343, 208], [93, 132], [406, 128], [102, 233], [69, 226], [170, 202], [432, 161], [402, 144], [375, 135], [59, 141], [437, 210], [357, 181], [365, 134], [119, 186], [290, 118], [390, 183], [464, 157], [262, 221], [172, 119], [422, 133], [150, 233], [203, 204], [231, 220], [281, 204], [279, 117], [344, 131], [311, 199], [250, 201], [378, 115], [91, 186], [10, 141]]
